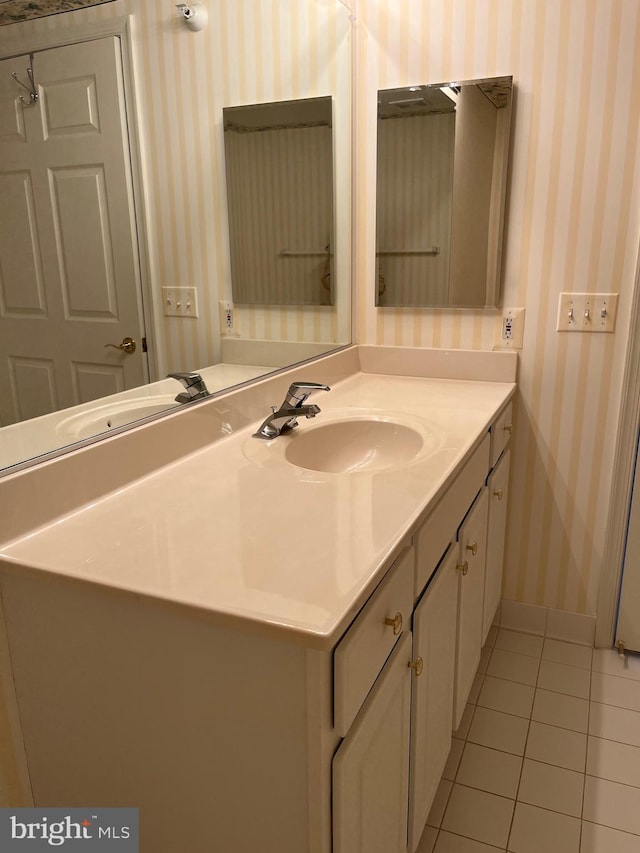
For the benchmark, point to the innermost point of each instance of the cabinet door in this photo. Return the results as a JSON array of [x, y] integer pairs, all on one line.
[[371, 766], [498, 488], [434, 642], [471, 571]]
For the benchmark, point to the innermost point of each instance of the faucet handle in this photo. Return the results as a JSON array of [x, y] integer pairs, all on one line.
[[299, 391], [187, 379]]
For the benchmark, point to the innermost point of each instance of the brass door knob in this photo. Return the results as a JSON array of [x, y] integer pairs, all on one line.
[[417, 666], [128, 345], [463, 567], [508, 428], [395, 623], [498, 493], [473, 548]]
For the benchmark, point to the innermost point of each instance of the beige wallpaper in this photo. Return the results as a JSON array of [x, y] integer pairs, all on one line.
[[573, 225]]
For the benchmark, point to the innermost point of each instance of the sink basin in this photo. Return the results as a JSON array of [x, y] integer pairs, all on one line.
[[104, 418], [354, 445]]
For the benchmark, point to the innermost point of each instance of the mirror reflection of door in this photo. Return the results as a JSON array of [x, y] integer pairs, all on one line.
[[69, 273]]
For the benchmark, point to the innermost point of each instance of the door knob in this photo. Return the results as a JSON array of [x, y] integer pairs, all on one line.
[[417, 666], [128, 345], [473, 548], [395, 623]]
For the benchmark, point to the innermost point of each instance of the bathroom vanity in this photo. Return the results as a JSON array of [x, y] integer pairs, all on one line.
[[257, 654]]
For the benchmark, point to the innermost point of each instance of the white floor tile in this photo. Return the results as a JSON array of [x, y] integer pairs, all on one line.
[[514, 667], [453, 761], [506, 696], [439, 803], [516, 641], [489, 770], [479, 815], [613, 690], [617, 762], [463, 729], [557, 746], [499, 731], [614, 723], [552, 788], [567, 653], [567, 712], [428, 840], [450, 843], [539, 831], [612, 804], [609, 661], [561, 678], [603, 839]]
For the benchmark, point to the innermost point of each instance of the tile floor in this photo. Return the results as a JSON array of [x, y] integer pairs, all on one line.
[[547, 757]]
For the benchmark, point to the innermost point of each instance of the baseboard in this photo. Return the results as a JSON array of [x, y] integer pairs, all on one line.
[[546, 622]]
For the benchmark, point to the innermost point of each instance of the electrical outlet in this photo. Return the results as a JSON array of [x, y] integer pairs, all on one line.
[[587, 312], [511, 329], [226, 317], [180, 301]]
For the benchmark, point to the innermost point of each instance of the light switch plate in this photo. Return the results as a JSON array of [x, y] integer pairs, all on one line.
[[180, 301], [587, 312]]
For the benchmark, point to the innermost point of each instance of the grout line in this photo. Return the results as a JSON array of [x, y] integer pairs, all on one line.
[[617, 828]]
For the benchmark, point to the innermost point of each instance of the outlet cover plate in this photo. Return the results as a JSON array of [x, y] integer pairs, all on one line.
[[510, 334]]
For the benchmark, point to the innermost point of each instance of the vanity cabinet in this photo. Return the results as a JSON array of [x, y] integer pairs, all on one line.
[[434, 644], [472, 557], [498, 497]]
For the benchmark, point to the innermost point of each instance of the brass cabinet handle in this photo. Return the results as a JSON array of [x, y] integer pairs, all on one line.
[[463, 567], [128, 345], [473, 548], [508, 428], [498, 493], [395, 623], [417, 666]]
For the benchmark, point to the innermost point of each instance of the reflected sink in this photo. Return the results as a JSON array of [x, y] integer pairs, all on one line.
[[354, 445], [104, 418]]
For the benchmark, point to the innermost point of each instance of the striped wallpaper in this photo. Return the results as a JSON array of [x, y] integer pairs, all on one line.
[[413, 198], [573, 225], [252, 51], [290, 170]]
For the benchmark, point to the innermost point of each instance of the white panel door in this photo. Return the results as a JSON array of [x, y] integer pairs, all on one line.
[[371, 766], [628, 624], [69, 274]]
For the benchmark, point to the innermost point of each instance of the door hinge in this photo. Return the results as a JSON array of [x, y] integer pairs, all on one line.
[[144, 345]]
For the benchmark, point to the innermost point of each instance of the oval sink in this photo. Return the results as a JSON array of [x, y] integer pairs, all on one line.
[[354, 445], [104, 418]]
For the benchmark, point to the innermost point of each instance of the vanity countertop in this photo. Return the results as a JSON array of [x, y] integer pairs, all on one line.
[[240, 535]]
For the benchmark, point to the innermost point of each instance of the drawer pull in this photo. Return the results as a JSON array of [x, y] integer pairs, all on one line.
[[473, 548], [508, 428], [498, 493], [395, 623], [417, 666], [463, 567]]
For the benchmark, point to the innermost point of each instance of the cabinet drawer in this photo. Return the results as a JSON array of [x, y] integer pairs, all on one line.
[[441, 526], [501, 433], [361, 653]]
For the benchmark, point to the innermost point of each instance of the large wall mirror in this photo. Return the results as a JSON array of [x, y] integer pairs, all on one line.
[[441, 183], [282, 154], [177, 251]]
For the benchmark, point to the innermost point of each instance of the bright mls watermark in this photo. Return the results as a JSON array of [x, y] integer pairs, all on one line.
[[74, 830]]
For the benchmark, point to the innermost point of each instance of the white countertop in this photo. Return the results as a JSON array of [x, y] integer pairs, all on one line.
[[233, 533]]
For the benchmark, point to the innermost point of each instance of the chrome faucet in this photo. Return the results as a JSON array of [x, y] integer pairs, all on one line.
[[286, 417], [195, 389]]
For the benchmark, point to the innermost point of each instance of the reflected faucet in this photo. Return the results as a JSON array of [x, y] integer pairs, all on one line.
[[286, 417], [195, 389]]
